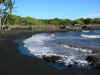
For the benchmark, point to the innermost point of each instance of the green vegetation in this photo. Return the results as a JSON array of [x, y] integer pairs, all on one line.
[[29, 21], [6, 18]]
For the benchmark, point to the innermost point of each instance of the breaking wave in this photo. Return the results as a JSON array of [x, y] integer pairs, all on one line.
[[45, 44], [90, 36], [49, 44]]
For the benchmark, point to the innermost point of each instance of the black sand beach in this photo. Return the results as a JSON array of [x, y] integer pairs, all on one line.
[[13, 63]]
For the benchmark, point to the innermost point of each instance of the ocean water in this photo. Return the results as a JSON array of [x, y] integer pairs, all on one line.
[[48, 44], [87, 39]]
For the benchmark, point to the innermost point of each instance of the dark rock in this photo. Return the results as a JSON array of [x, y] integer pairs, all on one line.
[[70, 66], [52, 59], [95, 52], [85, 28], [91, 59], [97, 64], [62, 27], [94, 61]]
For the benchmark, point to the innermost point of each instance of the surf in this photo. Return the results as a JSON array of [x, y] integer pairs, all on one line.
[[90, 36]]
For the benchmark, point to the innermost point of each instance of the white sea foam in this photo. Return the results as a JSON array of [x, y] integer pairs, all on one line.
[[85, 31], [36, 46], [90, 36]]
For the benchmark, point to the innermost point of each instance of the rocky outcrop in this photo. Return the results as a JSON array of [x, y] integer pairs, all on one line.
[[91, 59], [52, 59], [91, 27], [95, 51], [94, 61]]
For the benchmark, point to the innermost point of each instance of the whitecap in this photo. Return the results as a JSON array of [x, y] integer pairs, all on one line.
[[35, 45], [85, 31], [90, 36]]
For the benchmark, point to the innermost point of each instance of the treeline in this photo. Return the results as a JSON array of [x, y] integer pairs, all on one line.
[[24, 21]]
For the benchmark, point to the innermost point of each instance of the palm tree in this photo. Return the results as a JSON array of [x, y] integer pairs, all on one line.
[[7, 11], [10, 5]]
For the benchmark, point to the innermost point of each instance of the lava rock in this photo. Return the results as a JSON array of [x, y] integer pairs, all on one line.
[[91, 59], [95, 52], [52, 59], [62, 27], [70, 66], [97, 65], [95, 61]]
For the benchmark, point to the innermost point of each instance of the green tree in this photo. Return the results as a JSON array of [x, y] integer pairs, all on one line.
[[88, 21], [55, 21], [96, 21], [65, 22], [78, 21]]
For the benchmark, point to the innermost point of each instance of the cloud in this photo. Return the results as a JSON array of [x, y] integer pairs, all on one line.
[[93, 15]]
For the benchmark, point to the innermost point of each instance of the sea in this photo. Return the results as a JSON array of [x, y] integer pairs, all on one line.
[[49, 44]]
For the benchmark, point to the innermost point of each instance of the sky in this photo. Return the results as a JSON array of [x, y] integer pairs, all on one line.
[[65, 9]]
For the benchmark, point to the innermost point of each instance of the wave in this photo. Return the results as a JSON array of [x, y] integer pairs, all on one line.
[[36, 46], [90, 36], [85, 31], [97, 31]]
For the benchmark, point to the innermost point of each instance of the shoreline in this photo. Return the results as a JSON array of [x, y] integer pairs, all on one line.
[[14, 63]]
